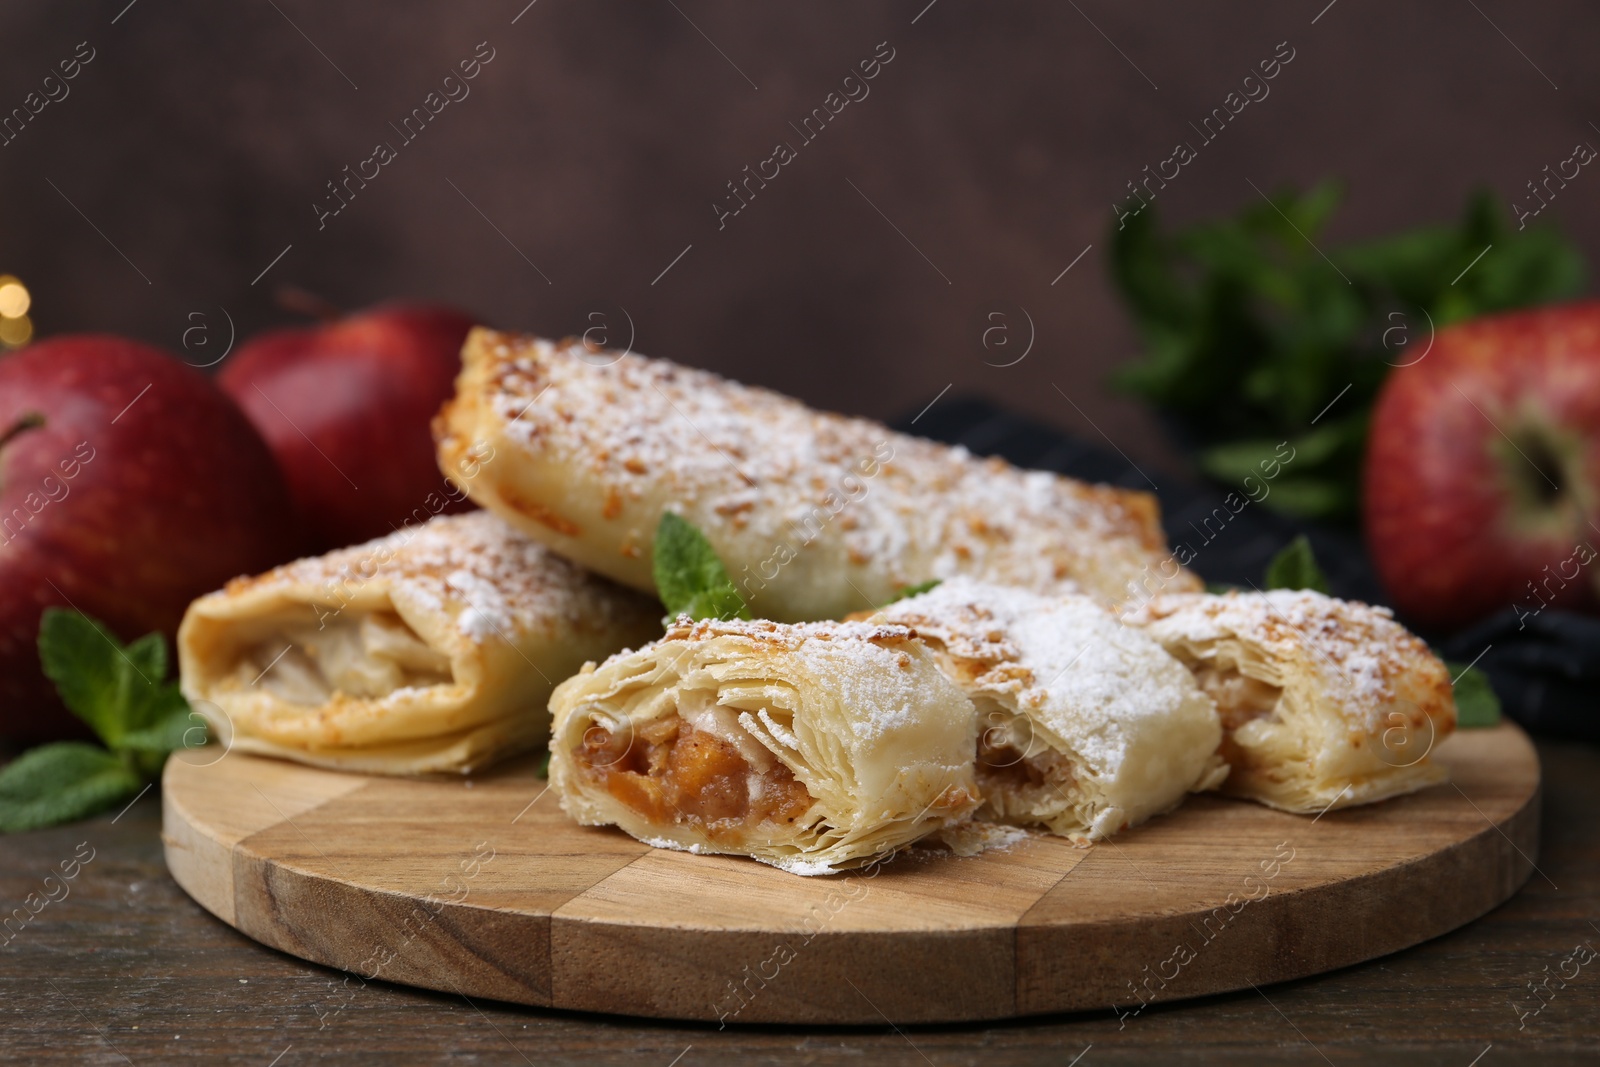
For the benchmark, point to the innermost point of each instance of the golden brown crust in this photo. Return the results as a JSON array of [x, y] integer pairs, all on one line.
[[815, 514], [1086, 726], [494, 617], [1358, 703]]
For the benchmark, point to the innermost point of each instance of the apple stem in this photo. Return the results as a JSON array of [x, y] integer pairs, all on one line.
[[293, 298], [31, 421]]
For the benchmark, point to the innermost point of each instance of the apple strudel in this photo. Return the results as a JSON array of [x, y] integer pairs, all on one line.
[[815, 515], [432, 649], [1325, 703], [1085, 726], [813, 747]]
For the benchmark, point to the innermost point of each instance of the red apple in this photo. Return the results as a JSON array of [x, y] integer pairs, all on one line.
[[345, 407], [129, 485], [1482, 482]]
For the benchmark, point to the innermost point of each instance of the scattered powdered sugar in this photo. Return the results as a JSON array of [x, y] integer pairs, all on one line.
[[499, 580], [667, 843], [1061, 654], [868, 666], [1358, 650], [973, 837], [789, 635], [478, 625], [801, 865], [770, 465], [486, 613], [779, 732]]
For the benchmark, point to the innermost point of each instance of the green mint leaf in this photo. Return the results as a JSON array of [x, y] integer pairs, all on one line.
[[690, 579], [151, 706], [543, 770], [1220, 588], [61, 782], [91, 670], [1476, 702], [178, 728], [148, 656], [909, 591], [117, 689], [720, 602], [121, 691], [1295, 567]]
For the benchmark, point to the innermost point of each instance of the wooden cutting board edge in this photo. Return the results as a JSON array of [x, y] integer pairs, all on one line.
[[586, 964]]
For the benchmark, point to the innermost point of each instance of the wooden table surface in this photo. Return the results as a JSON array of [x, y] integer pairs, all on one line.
[[126, 969]]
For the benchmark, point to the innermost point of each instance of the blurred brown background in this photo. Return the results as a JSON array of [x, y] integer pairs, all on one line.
[[592, 147]]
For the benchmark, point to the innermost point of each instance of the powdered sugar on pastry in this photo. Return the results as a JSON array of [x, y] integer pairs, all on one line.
[[1056, 652], [814, 747], [496, 578], [1358, 650], [434, 648], [865, 662], [1086, 725], [815, 514], [1324, 702]]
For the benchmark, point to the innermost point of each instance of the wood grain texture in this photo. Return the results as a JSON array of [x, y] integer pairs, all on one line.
[[128, 965], [484, 888], [1288, 896], [200, 845]]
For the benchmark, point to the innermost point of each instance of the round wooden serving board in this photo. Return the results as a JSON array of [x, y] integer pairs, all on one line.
[[483, 887]]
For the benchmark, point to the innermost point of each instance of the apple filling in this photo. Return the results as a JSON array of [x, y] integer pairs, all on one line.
[[367, 655], [669, 772], [1240, 699], [1014, 782]]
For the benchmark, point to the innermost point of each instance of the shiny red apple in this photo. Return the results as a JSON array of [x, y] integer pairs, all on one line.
[[129, 485], [345, 407], [1482, 481]]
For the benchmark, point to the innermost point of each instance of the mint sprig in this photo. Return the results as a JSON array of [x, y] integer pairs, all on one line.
[[1295, 567], [1259, 332], [122, 692], [61, 782], [690, 578], [1476, 702], [908, 591]]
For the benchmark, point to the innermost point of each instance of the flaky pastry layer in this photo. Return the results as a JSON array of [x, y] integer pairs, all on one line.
[[432, 649], [814, 747], [1325, 703], [1086, 726], [816, 515]]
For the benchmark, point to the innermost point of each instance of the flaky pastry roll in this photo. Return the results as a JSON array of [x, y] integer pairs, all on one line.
[[1325, 703], [1085, 727], [814, 747], [432, 649], [815, 515]]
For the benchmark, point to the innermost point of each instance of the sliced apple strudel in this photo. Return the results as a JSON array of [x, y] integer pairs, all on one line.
[[1325, 703], [1085, 726], [813, 747], [815, 515], [433, 649]]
